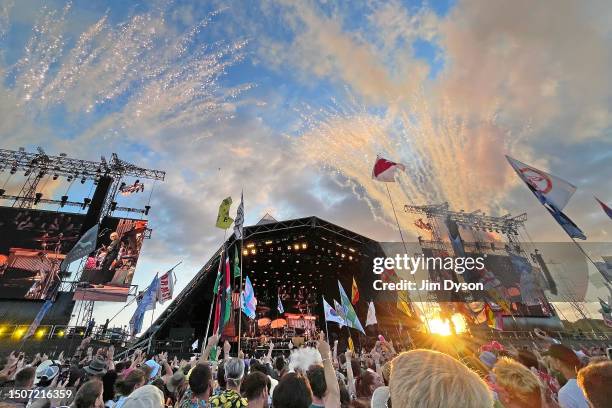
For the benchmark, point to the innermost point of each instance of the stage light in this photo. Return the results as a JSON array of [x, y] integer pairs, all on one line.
[[113, 206], [86, 202], [253, 252], [83, 179], [342, 255], [19, 332], [55, 176], [350, 258], [69, 179], [250, 245], [268, 242], [296, 247], [304, 246], [245, 252], [60, 333], [40, 333], [147, 209], [81, 333], [37, 198], [63, 200], [13, 170], [2, 191]]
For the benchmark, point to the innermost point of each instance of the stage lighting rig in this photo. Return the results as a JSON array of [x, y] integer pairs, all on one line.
[[38, 165]]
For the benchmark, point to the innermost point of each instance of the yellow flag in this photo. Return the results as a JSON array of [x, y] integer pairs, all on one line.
[[402, 303], [224, 221], [350, 344]]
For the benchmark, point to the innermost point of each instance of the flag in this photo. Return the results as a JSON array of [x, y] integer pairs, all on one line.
[[455, 237], [223, 218], [351, 317], [606, 209], [354, 292], [219, 274], [385, 170], [403, 306], [236, 263], [249, 302], [339, 309], [166, 286], [226, 296], [351, 346], [85, 245], [239, 219], [194, 345], [605, 308], [566, 223], [371, 319], [39, 317], [552, 189], [145, 301], [552, 192], [494, 319], [281, 309], [217, 291], [331, 315], [607, 318]]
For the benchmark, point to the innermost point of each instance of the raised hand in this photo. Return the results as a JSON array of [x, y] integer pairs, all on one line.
[[226, 349]]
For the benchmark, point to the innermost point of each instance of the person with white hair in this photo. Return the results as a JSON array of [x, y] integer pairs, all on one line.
[[230, 398]]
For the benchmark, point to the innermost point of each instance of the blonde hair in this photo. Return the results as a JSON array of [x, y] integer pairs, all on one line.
[[425, 378], [518, 380]]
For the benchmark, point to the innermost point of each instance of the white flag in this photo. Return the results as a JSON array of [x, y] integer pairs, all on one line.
[[85, 245], [553, 189], [239, 221], [166, 287], [371, 319], [331, 315]]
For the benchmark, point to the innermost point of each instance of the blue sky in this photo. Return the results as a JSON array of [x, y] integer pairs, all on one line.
[[290, 101]]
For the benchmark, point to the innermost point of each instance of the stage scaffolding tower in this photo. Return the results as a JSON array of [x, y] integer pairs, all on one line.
[[39, 165]]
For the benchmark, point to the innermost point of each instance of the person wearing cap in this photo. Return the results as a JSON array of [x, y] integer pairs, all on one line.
[[565, 360], [96, 368]]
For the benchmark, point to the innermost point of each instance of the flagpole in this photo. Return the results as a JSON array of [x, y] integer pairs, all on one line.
[[213, 301], [590, 259], [325, 317], [240, 294], [405, 247]]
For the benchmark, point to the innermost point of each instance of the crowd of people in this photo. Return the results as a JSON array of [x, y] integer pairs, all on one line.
[[490, 376]]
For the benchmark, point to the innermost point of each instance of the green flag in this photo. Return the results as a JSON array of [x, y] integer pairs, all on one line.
[[351, 317], [224, 221], [236, 263], [217, 282]]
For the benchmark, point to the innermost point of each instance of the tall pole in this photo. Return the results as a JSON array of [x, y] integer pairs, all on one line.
[[212, 303], [324, 317], [240, 294], [591, 260], [405, 247]]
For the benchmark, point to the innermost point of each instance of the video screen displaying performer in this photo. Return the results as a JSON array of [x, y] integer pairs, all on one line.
[[33, 243], [108, 272]]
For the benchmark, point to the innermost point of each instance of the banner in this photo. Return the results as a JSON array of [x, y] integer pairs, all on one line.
[[239, 219], [223, 218], [371, 319], [166, 286], [331, 315], [85, 246], [351, 317]]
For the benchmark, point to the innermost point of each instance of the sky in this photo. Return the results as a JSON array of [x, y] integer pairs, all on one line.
[[291, 101]]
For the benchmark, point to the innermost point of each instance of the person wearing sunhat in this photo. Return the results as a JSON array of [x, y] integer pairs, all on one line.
[[565, 360], [96, 368]]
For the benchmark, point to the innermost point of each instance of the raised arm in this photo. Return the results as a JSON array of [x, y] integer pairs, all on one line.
[[332, 397]]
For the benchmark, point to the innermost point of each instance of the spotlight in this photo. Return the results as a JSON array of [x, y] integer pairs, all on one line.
[[63, 200], [113, 206], [55, 177], [37, 198], [83, 179], [121, 186], [296, 247], [147, 208], [86, 202], [41, 173], [304, 246], [13, 170], [69, 179], [245, 252], [40, 333], [2, 191], [60, 333], [253, 252]]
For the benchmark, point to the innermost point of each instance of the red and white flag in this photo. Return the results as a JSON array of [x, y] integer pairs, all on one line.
[[166, 287], [385, 170]]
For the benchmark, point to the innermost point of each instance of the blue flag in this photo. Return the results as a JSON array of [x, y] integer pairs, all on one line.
[[39, 317], [281, 309], [146, 301], [248, 300], [349, 313]]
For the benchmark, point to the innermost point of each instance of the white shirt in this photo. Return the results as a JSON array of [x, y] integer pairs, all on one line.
[[571, 396]]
